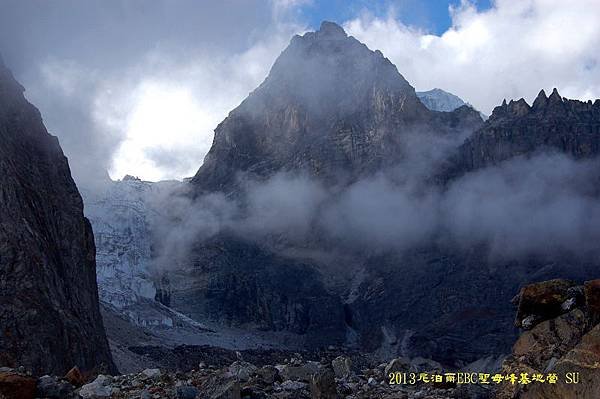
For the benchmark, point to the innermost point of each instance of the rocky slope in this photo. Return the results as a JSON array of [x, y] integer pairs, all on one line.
[[49, 311], [556, 356], [263, 375]]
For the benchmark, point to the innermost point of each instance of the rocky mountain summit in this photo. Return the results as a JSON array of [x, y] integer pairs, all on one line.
[[49, 310], [331, 107], [335, 111]]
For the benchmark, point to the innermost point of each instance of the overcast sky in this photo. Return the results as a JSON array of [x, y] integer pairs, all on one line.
[[133, 86]]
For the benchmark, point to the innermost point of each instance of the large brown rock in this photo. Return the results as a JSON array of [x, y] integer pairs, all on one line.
[[584, 359], [550, 338], [75, 377], [16, 386], [49, 310], [512, 391], [322, 385], [542, 300], [591, 290]]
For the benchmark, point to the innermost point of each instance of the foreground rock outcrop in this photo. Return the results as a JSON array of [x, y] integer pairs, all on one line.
[[561, 338], [49, 309]]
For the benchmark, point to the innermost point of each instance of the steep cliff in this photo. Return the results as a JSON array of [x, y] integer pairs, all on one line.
[[49, 314]]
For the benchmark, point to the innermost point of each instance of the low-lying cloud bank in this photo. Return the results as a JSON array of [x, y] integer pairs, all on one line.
[[542, 206]]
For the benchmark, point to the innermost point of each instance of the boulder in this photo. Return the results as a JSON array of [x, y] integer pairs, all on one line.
[[400, 364], [268, 374], [151, 373], [550, 338], [17, 386], [341, 366], [75, 377], [542, 301], [99, 388], [592, 297], [220, 386], [293, 385], [299, 373], [584, 359], [242, 370], [52, 387], [322, 385]]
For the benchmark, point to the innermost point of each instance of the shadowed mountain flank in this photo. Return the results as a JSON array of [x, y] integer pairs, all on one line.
[[49, 313]]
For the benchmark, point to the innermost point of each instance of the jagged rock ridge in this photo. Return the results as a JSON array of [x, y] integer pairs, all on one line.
[[550, 123], [49, 314]]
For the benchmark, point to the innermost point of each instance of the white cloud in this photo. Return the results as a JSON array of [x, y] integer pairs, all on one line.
[[510, 51], [153, 114], [162, 110], [169, 128]]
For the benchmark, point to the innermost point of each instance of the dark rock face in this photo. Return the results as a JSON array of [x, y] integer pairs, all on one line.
[[438, 302], [242, 284], [330, 106], [551, 123], [49, 313]]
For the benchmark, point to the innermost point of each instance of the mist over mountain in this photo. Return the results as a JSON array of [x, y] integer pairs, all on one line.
[[334, 170], [330, 107], [340, 219]]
